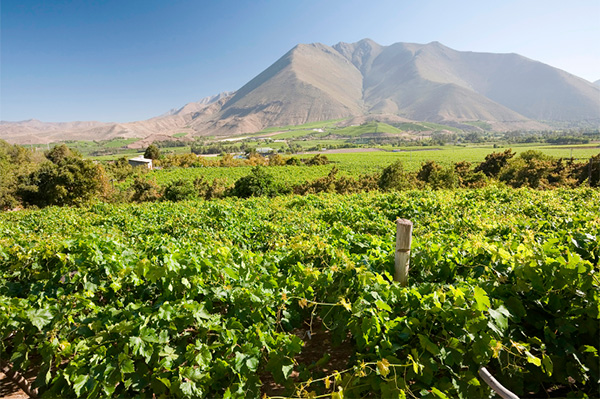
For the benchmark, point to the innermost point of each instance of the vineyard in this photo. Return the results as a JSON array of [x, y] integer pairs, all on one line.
[[357, 164], [204, 299]]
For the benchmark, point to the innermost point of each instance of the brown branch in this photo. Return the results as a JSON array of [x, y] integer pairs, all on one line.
[[18, 379], [495, 385]]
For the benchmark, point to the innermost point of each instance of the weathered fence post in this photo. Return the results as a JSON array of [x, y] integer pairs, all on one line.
[[403, 240]]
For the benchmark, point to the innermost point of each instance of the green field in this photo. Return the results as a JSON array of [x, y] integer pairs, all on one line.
[[331, 128], [373, 127], [360, 163], [294, 297]]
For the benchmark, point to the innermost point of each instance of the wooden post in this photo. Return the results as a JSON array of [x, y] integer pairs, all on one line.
[[402, 258]]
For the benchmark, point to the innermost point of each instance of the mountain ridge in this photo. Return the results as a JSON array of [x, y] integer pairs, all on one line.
[[314, 82]]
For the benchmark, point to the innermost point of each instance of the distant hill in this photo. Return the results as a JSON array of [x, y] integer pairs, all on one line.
[[597, 83], [198, 105], [403, 81]]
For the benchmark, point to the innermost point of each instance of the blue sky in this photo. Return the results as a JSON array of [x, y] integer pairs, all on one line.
[[126, 60]]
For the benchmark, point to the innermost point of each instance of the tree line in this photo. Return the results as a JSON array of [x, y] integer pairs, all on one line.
[[61, 176]]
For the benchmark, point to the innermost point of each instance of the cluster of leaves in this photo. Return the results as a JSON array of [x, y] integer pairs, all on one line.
[[15, 164], [228, 160], [530, 169], [201, 299], [334, 183], [60, 177]]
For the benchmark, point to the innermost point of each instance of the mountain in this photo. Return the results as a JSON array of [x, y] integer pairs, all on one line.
[[597, 83], [408, 81], [177, 120], [428, 82], [198, 105]]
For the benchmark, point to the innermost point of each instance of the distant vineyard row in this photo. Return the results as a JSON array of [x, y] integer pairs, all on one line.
[[62, 177]]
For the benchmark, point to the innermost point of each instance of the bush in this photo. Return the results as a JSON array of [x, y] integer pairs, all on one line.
[[188, 160], [332, 183], [65, 181], [16, 163], [590, 172], [317, 160], [179, 190], [276, 160], [60, 153], [206, 190], [145, 190], [293, 161], [257, 183], [152, 152], [527, 170], [393, 177], [468, 178], [120, 169], [228, 160], [437, 177], [494, 162]]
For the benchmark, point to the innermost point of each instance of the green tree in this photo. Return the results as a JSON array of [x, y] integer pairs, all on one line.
[[61, 152], [152, 152], [393, 177], [120, 169], [257, 183], [318, 159], [144, 190], [494, 162], [436, 176], [69, 181], [179, 190]]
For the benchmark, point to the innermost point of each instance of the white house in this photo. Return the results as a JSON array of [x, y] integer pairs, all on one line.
[[141, 161]]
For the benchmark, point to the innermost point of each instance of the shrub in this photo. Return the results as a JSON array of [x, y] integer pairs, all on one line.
[[206, 190], [16, 163], [529, 169], [437, 177], [256, 184], [228, 160], [65, 181], [590, 172], [332, 183], [145, 190], [181, 160], [179, 190], [60, 153], [393, 177], [120, 169], [152, 152], [494, 162], [276, 160], [468, 178], [293, 161], [317, 160]]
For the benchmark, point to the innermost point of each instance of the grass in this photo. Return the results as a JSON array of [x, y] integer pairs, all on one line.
[[480, 124], [437, 127], [306, 126], [372, 127]]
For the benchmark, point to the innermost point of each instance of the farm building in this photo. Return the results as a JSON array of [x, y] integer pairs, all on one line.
[[141, 161], [264, 150]]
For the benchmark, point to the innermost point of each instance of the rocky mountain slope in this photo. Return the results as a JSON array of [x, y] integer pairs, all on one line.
[[314, 82]]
